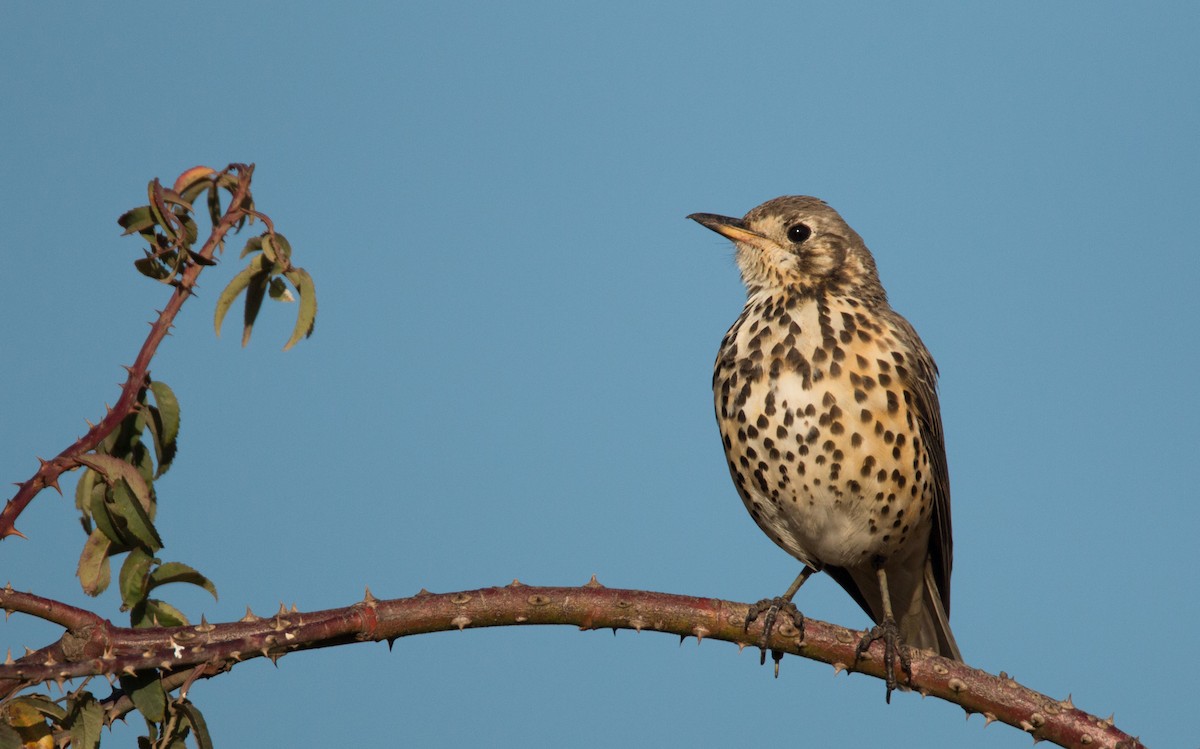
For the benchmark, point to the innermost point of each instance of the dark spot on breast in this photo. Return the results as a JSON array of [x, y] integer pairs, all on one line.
[[762, 422], [868, 466], [893, 403], [856, 440]]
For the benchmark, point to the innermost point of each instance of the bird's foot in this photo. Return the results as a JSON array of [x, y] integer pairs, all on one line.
[[888, 631], [772, 607]]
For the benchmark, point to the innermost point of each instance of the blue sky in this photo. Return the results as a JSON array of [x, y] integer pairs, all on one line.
[[510, 371]]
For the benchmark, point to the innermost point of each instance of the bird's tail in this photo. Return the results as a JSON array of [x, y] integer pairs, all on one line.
[[925, 624], [916, 604]]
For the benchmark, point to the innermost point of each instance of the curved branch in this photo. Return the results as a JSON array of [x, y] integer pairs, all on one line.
[[106, 649], [49, 470]]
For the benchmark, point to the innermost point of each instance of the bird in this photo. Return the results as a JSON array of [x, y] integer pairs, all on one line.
[[826, 402]]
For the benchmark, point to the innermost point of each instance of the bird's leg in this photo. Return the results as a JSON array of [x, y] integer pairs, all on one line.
[[888, 631], [772, 607]]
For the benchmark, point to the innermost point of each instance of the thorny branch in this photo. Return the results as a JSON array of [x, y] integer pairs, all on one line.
[[49, 470], [93, 647]]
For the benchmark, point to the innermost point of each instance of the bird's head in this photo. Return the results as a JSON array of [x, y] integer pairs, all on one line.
[[798, 244]]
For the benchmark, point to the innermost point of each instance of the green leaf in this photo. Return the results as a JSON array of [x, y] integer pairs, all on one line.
[[83, 490], [85, 719], [130, 508], [283, 252], [164, 614], [234, 289], [306, 316], [103, 518], [168, 408], [253, 244], [177, 572], [130, 498], [147, 693], [113, 468], [134, 577], [94, 570], [170, 197], [164, 423], [152, 267], [255, 293], [191, 232], [280, 292], [196, 720], [10, 739], [43, 705], [136, 220], [155, 191]]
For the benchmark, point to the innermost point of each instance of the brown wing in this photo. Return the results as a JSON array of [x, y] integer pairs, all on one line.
[[921, 379]]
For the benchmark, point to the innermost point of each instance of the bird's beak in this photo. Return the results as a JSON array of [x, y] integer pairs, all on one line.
[[727, 226]]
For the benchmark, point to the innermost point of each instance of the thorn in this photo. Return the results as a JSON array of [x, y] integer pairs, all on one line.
[[681, 639], [1067, 703], [294, 610], [461, 622], [422, 592], [204, 626], [593, 583], [12, 532], [282, 610], [250, 617], [8, 660], [515, 584], [1110, 719], [838, 667], [90, 424], [741, 646], [390, 642], [368, 598]]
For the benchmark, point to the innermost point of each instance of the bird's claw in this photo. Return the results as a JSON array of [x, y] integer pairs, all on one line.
[[889, 632], [772, 607]]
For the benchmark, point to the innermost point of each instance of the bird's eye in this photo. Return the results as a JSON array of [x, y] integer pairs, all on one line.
[[798, 233]]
